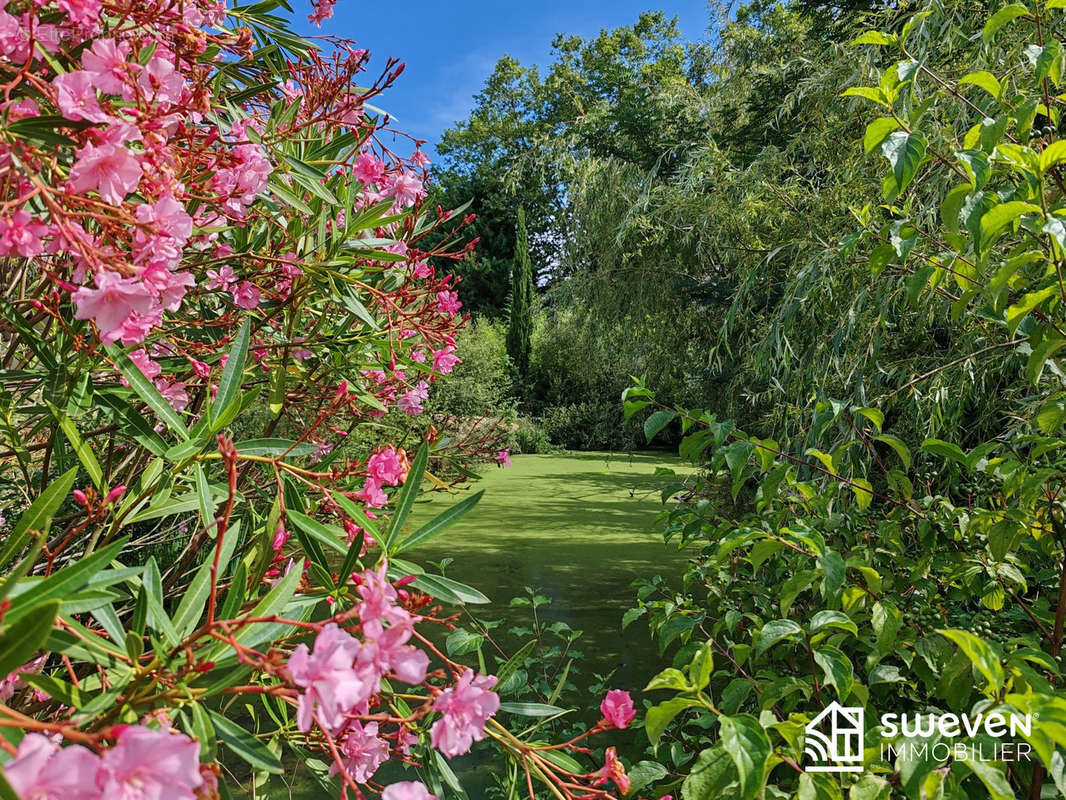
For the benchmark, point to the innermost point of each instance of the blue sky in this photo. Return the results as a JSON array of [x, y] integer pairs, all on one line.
[[451, 47]]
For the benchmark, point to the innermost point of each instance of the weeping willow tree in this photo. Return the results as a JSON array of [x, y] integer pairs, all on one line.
[[728, 282]]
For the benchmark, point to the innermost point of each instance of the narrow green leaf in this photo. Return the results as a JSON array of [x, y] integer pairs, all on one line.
[[406, 497], [24, 637], [39, 515], [229, 386], [146, 390], [440, 523], [245, 745]]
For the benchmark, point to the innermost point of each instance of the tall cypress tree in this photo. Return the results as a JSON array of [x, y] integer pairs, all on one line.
[[520, 327]]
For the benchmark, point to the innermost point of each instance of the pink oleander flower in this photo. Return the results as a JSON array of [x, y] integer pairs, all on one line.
[[449, 304], [332, 687], [614, 770], [368, 169], [168, 216], [111, 169], [151, 369], [371, 493], [174, 393], [246, 295], [159, 81], [14, 43], [222, 278], [363, 750], [281, 536], [106, 64], [466, 707], [617, 708], [407, 188], [411, 401], [150, 764], [42, 771], [407, 790], [386, 650], [420, 159], [83, 13], [170, 287], [421, 269], [503, 458], [388, 465], [21, 235], [76, 97], [445, 360], [112, 303]]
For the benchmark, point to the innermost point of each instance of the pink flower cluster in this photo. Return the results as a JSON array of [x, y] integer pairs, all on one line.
[[145, 763], [386, 467], [465, 709], [341, 674]]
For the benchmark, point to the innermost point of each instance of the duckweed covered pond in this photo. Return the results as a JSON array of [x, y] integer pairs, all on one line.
[[576, 527]]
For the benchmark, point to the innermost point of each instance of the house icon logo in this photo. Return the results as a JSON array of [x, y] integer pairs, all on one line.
[[834, 740]]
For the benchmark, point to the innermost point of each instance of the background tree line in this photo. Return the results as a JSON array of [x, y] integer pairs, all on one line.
[[686, 204]]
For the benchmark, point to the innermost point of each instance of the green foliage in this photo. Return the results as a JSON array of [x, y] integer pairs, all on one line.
[[906, 554]]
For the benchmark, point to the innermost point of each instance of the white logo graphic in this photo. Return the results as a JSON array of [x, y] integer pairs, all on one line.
[[839, 750]]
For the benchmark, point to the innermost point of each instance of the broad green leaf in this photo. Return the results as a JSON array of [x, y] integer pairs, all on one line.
[[999, 217], [863, 491], [898, 446], [660, 716], [1001, 18], [905, 153], [836, 620], [876, 132], [981, 654], [656, 422], [747, 744], [670, 678], [839, 672], [938, 447], [1052, 155], [774, 631], [985, 80], [710, 776], [876, 38]]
